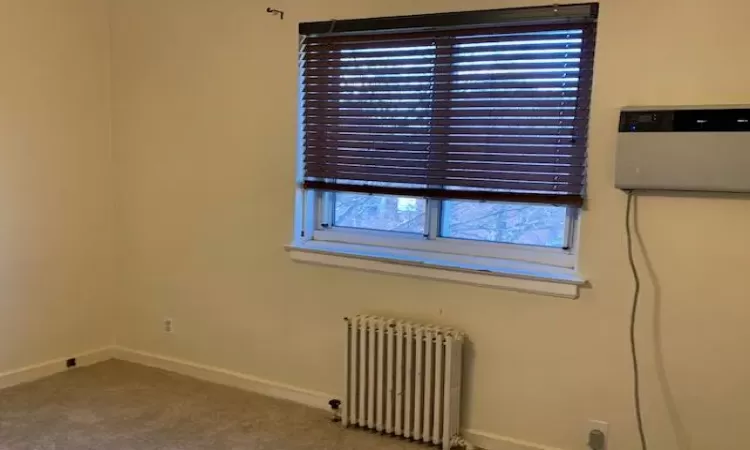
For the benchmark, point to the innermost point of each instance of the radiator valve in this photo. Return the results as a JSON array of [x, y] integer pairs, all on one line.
[[459, 442], [335, 405]]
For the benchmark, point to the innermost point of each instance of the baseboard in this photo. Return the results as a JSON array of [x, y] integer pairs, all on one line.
[[480, 439], [226, 377], [51, 367], [489, 441]]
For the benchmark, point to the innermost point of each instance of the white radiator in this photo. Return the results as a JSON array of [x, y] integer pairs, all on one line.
[[403, 379]]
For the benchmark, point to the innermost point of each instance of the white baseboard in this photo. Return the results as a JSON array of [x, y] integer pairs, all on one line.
[[480, 439], [226, 377], [489, 441], [47, 368]]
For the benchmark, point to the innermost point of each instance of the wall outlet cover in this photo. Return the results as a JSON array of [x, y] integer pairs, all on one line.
[[600, 440]]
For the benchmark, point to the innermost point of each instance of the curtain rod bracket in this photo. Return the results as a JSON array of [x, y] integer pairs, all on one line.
[[275, 12]]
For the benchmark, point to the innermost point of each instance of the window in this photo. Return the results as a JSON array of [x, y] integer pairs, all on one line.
[[512, 223], [468, 139]]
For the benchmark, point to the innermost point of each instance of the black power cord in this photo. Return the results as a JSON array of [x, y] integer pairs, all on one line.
[[633, 317]]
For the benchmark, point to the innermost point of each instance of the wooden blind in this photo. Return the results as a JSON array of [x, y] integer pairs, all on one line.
[[483, 114]]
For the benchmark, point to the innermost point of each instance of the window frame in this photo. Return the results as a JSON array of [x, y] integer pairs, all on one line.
[[316, 211], [315, 208]]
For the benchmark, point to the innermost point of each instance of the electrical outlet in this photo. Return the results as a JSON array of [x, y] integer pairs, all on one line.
[[168, 325], [597, 435]]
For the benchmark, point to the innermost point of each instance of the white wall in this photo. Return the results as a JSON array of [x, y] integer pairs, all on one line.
[[56, 201], [204, 109]]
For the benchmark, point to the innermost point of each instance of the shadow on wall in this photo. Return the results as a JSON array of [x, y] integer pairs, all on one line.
[[678, 427]]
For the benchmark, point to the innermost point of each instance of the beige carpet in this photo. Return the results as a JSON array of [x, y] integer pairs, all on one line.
[[121, 406]]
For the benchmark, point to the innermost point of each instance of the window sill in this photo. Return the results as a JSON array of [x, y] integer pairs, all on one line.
[[503, 274]]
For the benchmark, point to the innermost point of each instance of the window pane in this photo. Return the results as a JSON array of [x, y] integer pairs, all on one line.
[[380, 212], [512, 223]]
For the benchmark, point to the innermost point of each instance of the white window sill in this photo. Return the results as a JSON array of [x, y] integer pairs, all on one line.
[[504, 274]]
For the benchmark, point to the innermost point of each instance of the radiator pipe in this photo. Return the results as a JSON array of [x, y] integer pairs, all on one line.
[[458, 441], [335, 405]]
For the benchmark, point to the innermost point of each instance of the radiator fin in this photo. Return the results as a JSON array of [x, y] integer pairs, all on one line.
[[403, 378], [398, 427], [372, 357], [437, 419], [362, 387], [390, 379]]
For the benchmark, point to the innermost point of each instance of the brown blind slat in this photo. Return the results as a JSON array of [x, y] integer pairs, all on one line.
[[527, 83], [550, 58], [457, 139], [348, 179], [511, 75], [560, 150], [324, 155], [426, 47], [333, 122], [488, 179], [492, 113], [500, 196], [422, 69], [465, 94], [524, 113], [448, 105], [426, 129], [477, 169]]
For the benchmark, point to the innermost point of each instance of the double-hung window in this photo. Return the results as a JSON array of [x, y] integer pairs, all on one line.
[[456, 138]]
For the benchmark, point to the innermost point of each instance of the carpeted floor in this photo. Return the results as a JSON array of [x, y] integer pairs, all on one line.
[[121, 406]]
